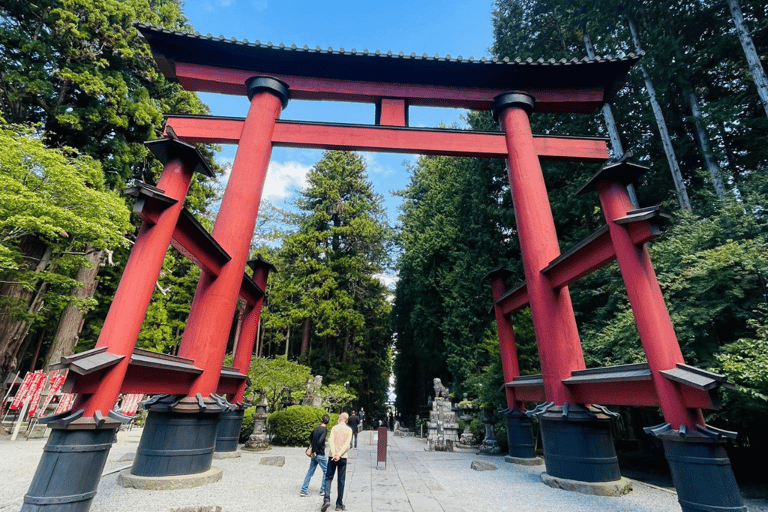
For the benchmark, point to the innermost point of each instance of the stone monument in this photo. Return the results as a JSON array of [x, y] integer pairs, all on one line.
[[259, 440], [489, 446], [312, 397], [443, 430]]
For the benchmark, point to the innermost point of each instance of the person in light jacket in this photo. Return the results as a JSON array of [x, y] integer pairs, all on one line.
[[338, 449]]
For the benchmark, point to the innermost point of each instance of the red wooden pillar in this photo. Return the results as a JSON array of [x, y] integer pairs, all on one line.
[[507, 348], [651, 315], [577, 440], [242, 360], [209, 323], [553, 318], [129, 307]]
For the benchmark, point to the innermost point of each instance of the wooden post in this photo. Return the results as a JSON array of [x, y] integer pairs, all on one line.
[[129, 307], [205, 337], [553, 318]]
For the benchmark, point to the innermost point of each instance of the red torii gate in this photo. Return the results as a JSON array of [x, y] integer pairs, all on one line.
[[270, 75]]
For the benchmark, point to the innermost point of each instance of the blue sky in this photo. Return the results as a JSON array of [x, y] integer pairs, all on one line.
[[447, 27]]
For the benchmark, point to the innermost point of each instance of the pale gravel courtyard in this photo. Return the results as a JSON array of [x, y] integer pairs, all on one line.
[[414, 480]]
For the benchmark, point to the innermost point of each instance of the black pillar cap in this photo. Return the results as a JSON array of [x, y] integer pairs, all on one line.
[[498, 273], [512, 99], [259, 261], [168, 149], [268, 83], [622, 172]]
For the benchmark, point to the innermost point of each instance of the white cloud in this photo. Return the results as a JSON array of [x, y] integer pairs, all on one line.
[[388, 280], [283, 178], [372, 164]]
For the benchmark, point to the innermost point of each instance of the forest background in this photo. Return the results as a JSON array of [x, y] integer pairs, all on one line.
[[79, 94]]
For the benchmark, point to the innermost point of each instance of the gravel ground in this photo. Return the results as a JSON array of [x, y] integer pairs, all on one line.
[[414, 480]]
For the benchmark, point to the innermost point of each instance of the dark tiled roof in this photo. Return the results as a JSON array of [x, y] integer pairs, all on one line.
[[280, 59]]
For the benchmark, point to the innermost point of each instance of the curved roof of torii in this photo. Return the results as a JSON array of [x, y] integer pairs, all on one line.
[[398, 74]]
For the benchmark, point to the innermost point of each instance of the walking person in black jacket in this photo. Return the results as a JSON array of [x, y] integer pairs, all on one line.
[[317, 453]]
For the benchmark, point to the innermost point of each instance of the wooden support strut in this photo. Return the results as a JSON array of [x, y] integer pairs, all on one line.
[[654, 325], [507, 348], [126, 314]]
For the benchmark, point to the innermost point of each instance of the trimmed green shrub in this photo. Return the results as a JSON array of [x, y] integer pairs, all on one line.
[[246, 429], [293, 426]]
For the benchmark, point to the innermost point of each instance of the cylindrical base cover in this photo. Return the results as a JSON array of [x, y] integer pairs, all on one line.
[[520, 435], [69, 470], [229, 430], [579, 445], [176, 443], [702, 474]]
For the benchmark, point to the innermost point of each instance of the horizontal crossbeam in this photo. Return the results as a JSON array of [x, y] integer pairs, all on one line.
[[346, 137], [202, 78], [630, 384]]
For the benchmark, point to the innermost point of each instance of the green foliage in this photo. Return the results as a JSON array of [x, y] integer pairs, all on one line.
[[278, 379], [337, 397], [57, 200], [293, 426], [81, 69], [455, 227], [327, 291], [246, 428]]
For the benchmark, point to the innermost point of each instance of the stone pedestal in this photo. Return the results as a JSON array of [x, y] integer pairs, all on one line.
[[259, 440], [489, 445], [443, 429]]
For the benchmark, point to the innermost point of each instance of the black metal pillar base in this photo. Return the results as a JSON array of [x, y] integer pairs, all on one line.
[[701, 469], [519, 434], [229, 429], [179, 437], [69, 470], [577, 442]]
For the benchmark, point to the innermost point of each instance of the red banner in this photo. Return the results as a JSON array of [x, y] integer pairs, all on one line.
[[36, 390], [130, 404], [55, 382], [66, 403], [24, 389]]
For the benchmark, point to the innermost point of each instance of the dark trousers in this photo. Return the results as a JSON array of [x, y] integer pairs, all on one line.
[[341, 465]]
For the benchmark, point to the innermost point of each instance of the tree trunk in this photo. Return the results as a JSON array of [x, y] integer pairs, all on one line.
[[13, 328], [610, 123], [38, 346], [700, 132], [71, 321], [753, 60], [703, 139], [666, 141], [305, 337], [258, 350], [287, 342], [239, 315]]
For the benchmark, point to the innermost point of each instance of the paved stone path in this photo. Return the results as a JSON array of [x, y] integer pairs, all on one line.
[[414, 481]]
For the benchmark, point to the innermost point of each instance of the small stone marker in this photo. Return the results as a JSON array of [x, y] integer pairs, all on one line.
[[272, 461], [478, 465]]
